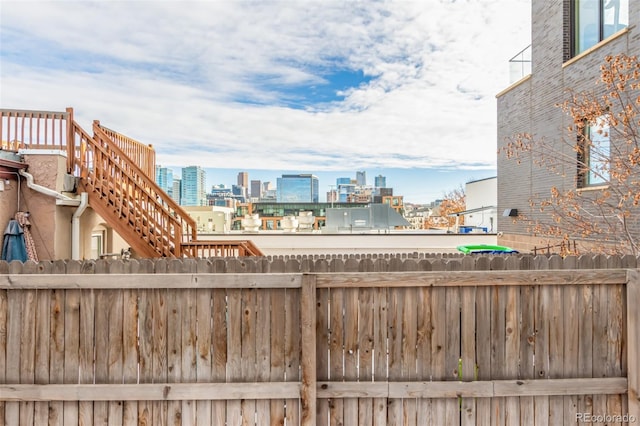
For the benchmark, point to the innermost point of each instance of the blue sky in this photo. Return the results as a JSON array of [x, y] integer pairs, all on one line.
[[405, 89]]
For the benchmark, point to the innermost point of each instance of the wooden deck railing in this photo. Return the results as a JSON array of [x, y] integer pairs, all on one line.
[[206, 248], [24, 129]]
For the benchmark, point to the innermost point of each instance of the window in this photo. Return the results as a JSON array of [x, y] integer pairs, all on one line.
[[97, 248], [595, 20], [594, 154]]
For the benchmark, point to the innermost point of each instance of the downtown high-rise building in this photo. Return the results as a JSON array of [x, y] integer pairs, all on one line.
[[301, 188], [243, 179], [380, 181], [361, 178], [256, 189], [176, 190], [164, 179], [193, 191]]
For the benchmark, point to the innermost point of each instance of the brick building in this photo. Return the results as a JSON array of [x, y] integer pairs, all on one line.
[[569, 41]]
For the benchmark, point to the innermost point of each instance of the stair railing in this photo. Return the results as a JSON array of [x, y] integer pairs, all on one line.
[[142, 155], [135, 198], [154, 202]]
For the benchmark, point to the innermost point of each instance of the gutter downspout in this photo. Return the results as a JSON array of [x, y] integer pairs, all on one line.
[[75, 226], [63, 200]]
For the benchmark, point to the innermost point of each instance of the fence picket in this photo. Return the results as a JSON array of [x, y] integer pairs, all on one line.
[[336, 350], [159, 358], [3, 348], [145, 319], [248, 358], [42, 340], [27, 351], [380, 342], [498, 340], [263, 352], [292, 350], [543, 298], [115, 350], [438, 347], [234, 351], [556, 348], [277, 372], [468, 361], [366, 349], [351, 349], [219, 358], [409, 344], [396, 306], [204, 352], [615, 366], [130, 352], [188, 372], [483, 350], [512, 350], [322, 347], [56, 354], [452, 348], [86, 350]]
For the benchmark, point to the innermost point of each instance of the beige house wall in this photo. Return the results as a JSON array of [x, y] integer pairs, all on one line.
[[51, 224], [8, 202], [93, 224]]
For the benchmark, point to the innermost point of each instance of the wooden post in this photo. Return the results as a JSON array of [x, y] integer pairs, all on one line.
[[633, 339], [308, 359], [71, 149]]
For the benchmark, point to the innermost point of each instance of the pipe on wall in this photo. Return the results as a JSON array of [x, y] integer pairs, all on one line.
[[46, 191], [81, 203], [75, 226]]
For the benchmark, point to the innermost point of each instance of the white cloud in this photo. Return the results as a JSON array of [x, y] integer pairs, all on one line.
[[173, 74]]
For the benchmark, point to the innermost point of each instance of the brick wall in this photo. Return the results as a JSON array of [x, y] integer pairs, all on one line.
[[531, 106]]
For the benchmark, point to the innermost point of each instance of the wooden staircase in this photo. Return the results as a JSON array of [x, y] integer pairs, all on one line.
[[117, 174]]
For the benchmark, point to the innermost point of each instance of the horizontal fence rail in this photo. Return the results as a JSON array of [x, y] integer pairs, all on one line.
[[329, 263], [171, 342]]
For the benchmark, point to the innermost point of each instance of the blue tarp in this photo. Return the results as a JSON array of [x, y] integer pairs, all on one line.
[[13, 246]]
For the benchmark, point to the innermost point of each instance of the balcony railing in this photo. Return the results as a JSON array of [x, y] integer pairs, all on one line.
[[520, 65]]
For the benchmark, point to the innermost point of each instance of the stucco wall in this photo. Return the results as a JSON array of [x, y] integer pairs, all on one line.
[[50, 224], [8, 203]]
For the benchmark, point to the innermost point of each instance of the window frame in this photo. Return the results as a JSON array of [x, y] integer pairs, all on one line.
[[574, 22], [586, 166]]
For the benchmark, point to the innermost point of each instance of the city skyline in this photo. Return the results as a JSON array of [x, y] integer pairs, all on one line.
[[416, 187], [401, 87]]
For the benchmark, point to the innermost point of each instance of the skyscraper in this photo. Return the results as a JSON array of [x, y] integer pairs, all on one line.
[[380, 181], [176, 190], [193, 191], [256, 189], [361, 178], [297, 189], [243, 179], [164, 179]]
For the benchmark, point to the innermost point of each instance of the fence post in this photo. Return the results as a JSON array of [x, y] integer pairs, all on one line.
[[633, 339], [308, 356]]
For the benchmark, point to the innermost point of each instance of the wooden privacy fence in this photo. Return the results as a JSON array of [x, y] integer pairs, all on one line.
[[343, 348]]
